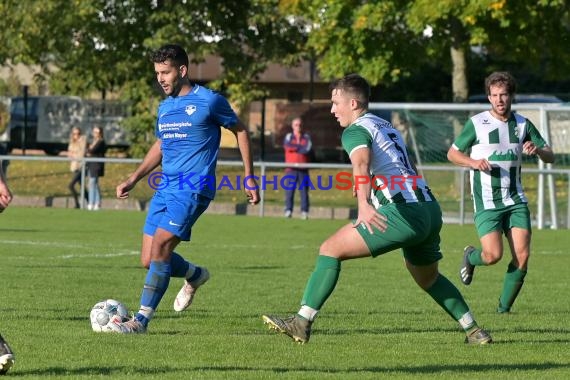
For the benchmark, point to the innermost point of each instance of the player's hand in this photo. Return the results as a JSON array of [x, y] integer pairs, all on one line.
[[529, 148], [123, 189], [252, 191], [354, 192], [482, 165], [370, 217], [5, 196]]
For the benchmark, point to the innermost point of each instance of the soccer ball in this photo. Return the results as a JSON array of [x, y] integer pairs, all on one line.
[[106, 313]]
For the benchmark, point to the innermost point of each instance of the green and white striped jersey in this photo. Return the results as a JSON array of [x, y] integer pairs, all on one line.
[[501, 144], [392, 176]]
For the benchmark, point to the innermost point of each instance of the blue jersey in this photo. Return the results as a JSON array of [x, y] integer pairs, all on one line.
[[189, 129]]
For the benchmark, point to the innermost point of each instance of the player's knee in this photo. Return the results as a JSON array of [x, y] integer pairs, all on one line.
[[330, 249], [492, 257], [145, 262]]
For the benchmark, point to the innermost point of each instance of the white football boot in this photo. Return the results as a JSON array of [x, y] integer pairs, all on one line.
[[186, 294]]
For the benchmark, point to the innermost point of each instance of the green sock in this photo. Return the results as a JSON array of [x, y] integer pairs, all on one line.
[[475, 257], [448, 297], [322, 282], [514, 279]]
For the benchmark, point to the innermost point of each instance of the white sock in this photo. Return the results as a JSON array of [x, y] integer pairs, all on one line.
[[146, 312], [308, 313], [466, 321]]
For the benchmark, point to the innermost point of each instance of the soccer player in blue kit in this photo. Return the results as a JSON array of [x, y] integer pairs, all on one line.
[[188, 139]]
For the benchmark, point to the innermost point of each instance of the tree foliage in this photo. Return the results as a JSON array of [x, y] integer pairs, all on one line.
[[101, 46]]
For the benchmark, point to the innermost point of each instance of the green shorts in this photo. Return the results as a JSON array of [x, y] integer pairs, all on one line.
[[414, 227], [502, 219]]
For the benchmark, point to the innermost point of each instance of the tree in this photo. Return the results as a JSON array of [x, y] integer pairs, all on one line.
[[102, 46], [388, 40]]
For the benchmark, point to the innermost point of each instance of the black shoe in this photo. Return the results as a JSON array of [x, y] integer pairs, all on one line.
[[467, 269]]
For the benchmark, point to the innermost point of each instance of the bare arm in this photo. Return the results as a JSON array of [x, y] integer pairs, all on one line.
[[152, 159], [367, 213], [5, 194], [461, 159], [545, 154], [244, 144]]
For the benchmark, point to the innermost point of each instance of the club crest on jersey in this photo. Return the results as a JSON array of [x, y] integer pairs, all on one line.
[[190, 110]]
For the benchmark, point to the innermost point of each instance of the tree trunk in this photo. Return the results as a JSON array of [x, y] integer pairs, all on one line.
[[459, 83]]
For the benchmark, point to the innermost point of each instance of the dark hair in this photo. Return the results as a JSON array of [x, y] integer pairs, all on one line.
[[501, 78], [171, 52], [355, 85]]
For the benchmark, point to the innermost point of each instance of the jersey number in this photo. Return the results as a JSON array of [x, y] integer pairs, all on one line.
[[394, 138]]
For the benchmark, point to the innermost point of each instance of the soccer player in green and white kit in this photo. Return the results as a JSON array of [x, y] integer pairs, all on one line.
[[497, 139], [396, 210]]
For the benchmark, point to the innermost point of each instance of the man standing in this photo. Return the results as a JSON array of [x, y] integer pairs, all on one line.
[[188, 139], [496, 140], [405, 216], [297, 145]]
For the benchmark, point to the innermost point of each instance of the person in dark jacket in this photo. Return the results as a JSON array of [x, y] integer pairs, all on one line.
[[96, 148]]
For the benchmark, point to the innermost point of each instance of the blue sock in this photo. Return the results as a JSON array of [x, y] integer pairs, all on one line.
[[178, 266], [195, 275], [156, 283]]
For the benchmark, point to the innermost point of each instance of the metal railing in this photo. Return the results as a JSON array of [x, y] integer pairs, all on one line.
[[263, 166]]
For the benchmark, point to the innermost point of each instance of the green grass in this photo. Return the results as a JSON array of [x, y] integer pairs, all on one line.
[[57, 263]]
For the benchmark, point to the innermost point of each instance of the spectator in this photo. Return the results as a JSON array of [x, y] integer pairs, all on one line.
[[76, 151], [97, 148], [297, 145]]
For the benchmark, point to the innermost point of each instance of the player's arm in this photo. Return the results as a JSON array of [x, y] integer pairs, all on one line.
[[466, 139], [534, 144], [152, 159], [5, 194], [241, 133], [545, 153], [461, 159], [367, 213]]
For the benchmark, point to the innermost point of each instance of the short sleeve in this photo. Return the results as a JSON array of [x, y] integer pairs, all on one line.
[[355, 137], [466, 138], [222, 112], [534, 135]]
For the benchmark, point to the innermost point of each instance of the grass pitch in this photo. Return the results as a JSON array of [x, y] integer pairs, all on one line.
[[55, 264]]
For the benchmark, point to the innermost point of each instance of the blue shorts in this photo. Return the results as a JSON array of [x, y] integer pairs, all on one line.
[[175, 213]]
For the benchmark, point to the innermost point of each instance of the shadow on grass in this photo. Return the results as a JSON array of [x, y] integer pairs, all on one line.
[[462, 369]]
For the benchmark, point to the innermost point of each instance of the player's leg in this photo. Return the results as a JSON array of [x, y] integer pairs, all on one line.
[[156, 281], [179, 267], [519, 237], [345, 244], [448, 297], [194, 275], [489, 229], [422, 262]]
